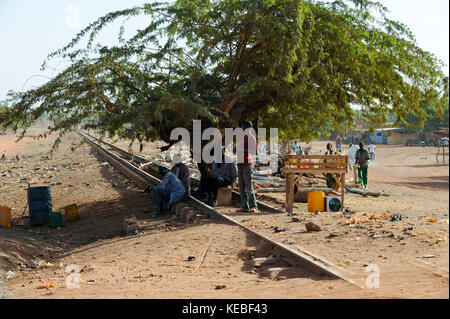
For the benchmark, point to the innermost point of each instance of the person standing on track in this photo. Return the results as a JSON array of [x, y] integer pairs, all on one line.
[[362, 159], [246, 150]]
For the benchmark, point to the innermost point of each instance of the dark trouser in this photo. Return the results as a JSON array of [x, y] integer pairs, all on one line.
[[211, 184], [248, 199], [160, 200]]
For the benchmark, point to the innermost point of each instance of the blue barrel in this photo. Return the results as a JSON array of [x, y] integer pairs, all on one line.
[[39, 205]]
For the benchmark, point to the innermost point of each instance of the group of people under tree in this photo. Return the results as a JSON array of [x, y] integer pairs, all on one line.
[[175, 185]]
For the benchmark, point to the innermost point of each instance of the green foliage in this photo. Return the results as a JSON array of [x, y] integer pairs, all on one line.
[[3, 112], [3, 106], [295, 65], [436, 117]]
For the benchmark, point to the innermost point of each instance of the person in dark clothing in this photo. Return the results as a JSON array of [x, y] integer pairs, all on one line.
[[362, 160], [222, 175], [331, 181], [181, 171], [205, 175]]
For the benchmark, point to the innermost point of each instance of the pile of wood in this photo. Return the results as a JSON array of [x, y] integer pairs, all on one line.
[[269, 184], [267, 181], [304, 185], [365, 192]]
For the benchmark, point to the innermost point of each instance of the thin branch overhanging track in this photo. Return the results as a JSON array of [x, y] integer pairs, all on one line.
[[142, 179]]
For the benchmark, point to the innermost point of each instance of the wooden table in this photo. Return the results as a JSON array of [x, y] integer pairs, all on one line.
[[313, 164]]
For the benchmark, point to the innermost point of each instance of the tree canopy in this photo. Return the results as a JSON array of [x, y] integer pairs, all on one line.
[[437, 117], [299, 65]]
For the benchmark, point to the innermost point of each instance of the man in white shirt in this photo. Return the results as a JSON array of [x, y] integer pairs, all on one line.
[[352, 161], [372, 151]]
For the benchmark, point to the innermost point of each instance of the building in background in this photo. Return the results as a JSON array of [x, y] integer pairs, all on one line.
[[389, 136]]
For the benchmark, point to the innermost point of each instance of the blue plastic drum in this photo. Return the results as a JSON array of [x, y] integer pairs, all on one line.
[[39, 205]]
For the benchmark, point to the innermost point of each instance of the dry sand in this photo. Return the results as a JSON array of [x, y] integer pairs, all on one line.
[[155, 265]]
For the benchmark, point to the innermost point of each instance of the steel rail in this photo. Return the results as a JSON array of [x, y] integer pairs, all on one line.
[[143, 160], [142, 179]]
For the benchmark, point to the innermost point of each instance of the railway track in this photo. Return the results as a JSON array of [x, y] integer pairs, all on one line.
[[138, 160], [128, 165]]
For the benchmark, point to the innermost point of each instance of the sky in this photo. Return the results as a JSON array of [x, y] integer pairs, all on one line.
[[30, 30]]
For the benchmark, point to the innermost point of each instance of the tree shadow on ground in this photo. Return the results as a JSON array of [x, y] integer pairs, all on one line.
[[20, 244]]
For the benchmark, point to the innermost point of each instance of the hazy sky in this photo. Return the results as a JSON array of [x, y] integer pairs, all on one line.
[[30, 30]]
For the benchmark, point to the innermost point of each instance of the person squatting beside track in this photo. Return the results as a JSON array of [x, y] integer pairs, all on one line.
[[174, 187]]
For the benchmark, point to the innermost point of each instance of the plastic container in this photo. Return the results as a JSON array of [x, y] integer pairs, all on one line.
[[39, 205], [316, 202], [5, 216], [72, 212], [56, 219]]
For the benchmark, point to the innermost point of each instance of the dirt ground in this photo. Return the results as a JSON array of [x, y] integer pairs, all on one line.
[[411, 254]]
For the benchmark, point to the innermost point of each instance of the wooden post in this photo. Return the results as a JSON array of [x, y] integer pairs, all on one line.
[[289, 192], [224, 196], [342, 190]]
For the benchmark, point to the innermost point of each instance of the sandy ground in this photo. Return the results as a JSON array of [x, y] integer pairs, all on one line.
[[154, 265]]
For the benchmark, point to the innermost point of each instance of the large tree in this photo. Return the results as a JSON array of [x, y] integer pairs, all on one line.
[[437, 117], [299, 65]]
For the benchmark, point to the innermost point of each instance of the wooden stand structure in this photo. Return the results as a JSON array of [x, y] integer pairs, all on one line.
[[313, 164]]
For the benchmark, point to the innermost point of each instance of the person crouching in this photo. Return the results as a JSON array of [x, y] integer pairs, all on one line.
[[224, 174], [174, 187]]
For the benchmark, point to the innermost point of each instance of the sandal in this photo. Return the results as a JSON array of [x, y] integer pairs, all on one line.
[[242, 210], [254, 210]]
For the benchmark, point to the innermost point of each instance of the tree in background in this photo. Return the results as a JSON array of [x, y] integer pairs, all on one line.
[[3, 105], [437, 117], [296, 65], [3, 109]]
